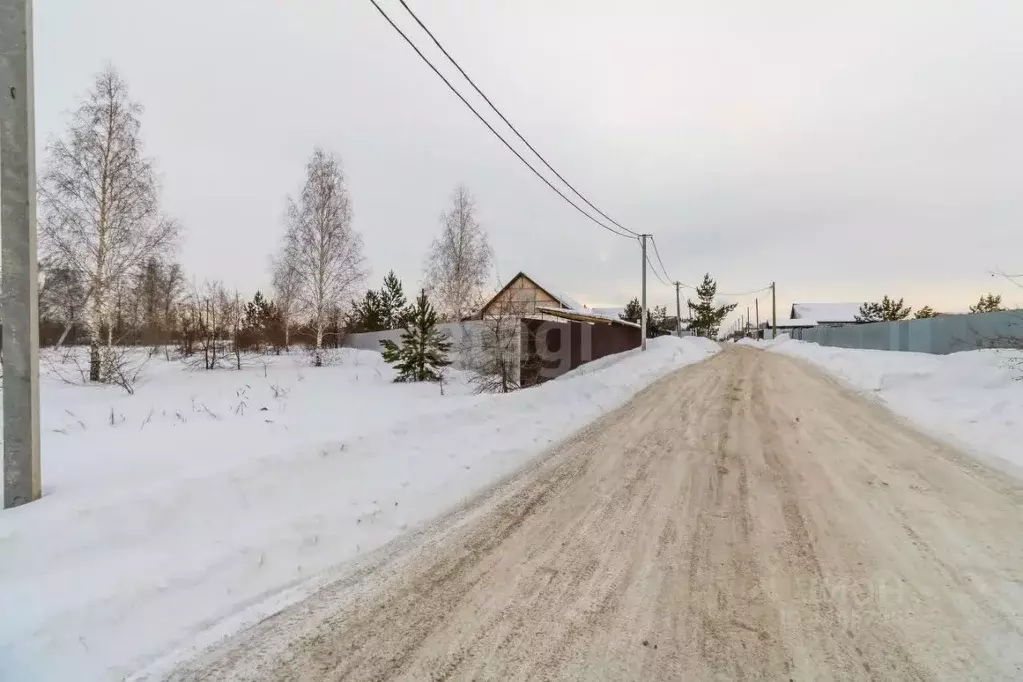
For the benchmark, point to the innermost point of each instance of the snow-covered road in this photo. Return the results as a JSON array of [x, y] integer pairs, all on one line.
[[973, 397], [747, 516]]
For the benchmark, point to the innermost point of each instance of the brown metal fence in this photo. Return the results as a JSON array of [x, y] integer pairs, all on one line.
[[549, 349]]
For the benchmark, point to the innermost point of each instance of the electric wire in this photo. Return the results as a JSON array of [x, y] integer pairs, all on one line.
[[453, 89], [509, 123]]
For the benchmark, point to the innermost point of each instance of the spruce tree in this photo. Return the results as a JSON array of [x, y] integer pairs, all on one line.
[[423, 350], [988, 304], [369, 315], [892, 311], [888, 310], [394, 306], [925, 313], [869, 312], [706, 317], [633, 312]]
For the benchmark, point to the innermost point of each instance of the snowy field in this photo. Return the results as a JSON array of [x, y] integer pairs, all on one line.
[[973, 398], [209, 499]]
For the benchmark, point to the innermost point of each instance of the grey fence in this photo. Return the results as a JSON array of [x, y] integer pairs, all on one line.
[[462, 335], [938, 335]]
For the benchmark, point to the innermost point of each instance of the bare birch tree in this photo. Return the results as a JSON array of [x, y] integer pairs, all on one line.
[[459, 261], [101, 205], [285, 280], [492, 353], [320, 243]]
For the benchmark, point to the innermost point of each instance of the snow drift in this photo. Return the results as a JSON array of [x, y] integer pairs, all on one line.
[[205, 495], [972, 397]]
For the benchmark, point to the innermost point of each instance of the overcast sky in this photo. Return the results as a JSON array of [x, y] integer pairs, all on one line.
[[846, 150]]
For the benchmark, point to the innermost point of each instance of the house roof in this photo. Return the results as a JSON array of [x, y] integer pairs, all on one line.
[[566, 301], [585, 316], [826, 312]]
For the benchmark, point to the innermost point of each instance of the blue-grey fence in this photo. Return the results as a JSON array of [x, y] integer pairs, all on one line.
[[938, 335]]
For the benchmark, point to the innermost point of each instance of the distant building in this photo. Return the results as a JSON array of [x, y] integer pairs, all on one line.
[[523, 297], [547, 333], [823, 314]]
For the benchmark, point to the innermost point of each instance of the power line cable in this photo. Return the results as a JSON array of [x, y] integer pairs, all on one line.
[[630, 235], [657, 274], [509, 123], [657, 252], [746, 293]]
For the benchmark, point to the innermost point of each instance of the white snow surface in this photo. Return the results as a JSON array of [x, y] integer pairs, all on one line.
[[614, 311], [972, 398], [827, 312], [590, 313], [204, 502]]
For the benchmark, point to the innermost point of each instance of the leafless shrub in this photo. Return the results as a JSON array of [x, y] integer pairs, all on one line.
[[120, 365], [492, 356], [123, 367], [214, 320]]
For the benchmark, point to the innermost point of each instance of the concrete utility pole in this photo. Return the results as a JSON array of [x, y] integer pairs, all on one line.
[[643, 326], [678, 310], [774, 314], [756, 309], [19, 295]]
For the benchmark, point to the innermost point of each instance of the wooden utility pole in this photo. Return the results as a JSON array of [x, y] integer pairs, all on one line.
[[643, 326], [19, 288], [678, 309], [774, 313]]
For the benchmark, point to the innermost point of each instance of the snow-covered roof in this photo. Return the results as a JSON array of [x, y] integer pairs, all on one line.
[[567, 301], [583, 314], [563, 299], [609, 312], [826, 312]]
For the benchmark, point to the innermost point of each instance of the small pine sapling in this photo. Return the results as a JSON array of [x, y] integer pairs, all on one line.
[[424, 349]]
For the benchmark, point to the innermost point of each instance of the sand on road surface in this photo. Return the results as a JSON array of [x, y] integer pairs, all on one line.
[[744, 518]]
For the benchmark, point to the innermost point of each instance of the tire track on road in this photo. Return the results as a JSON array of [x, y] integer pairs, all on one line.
[[744, 518]]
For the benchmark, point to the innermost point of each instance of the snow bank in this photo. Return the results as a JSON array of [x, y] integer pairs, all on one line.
[[975, 397], [206, 495]]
